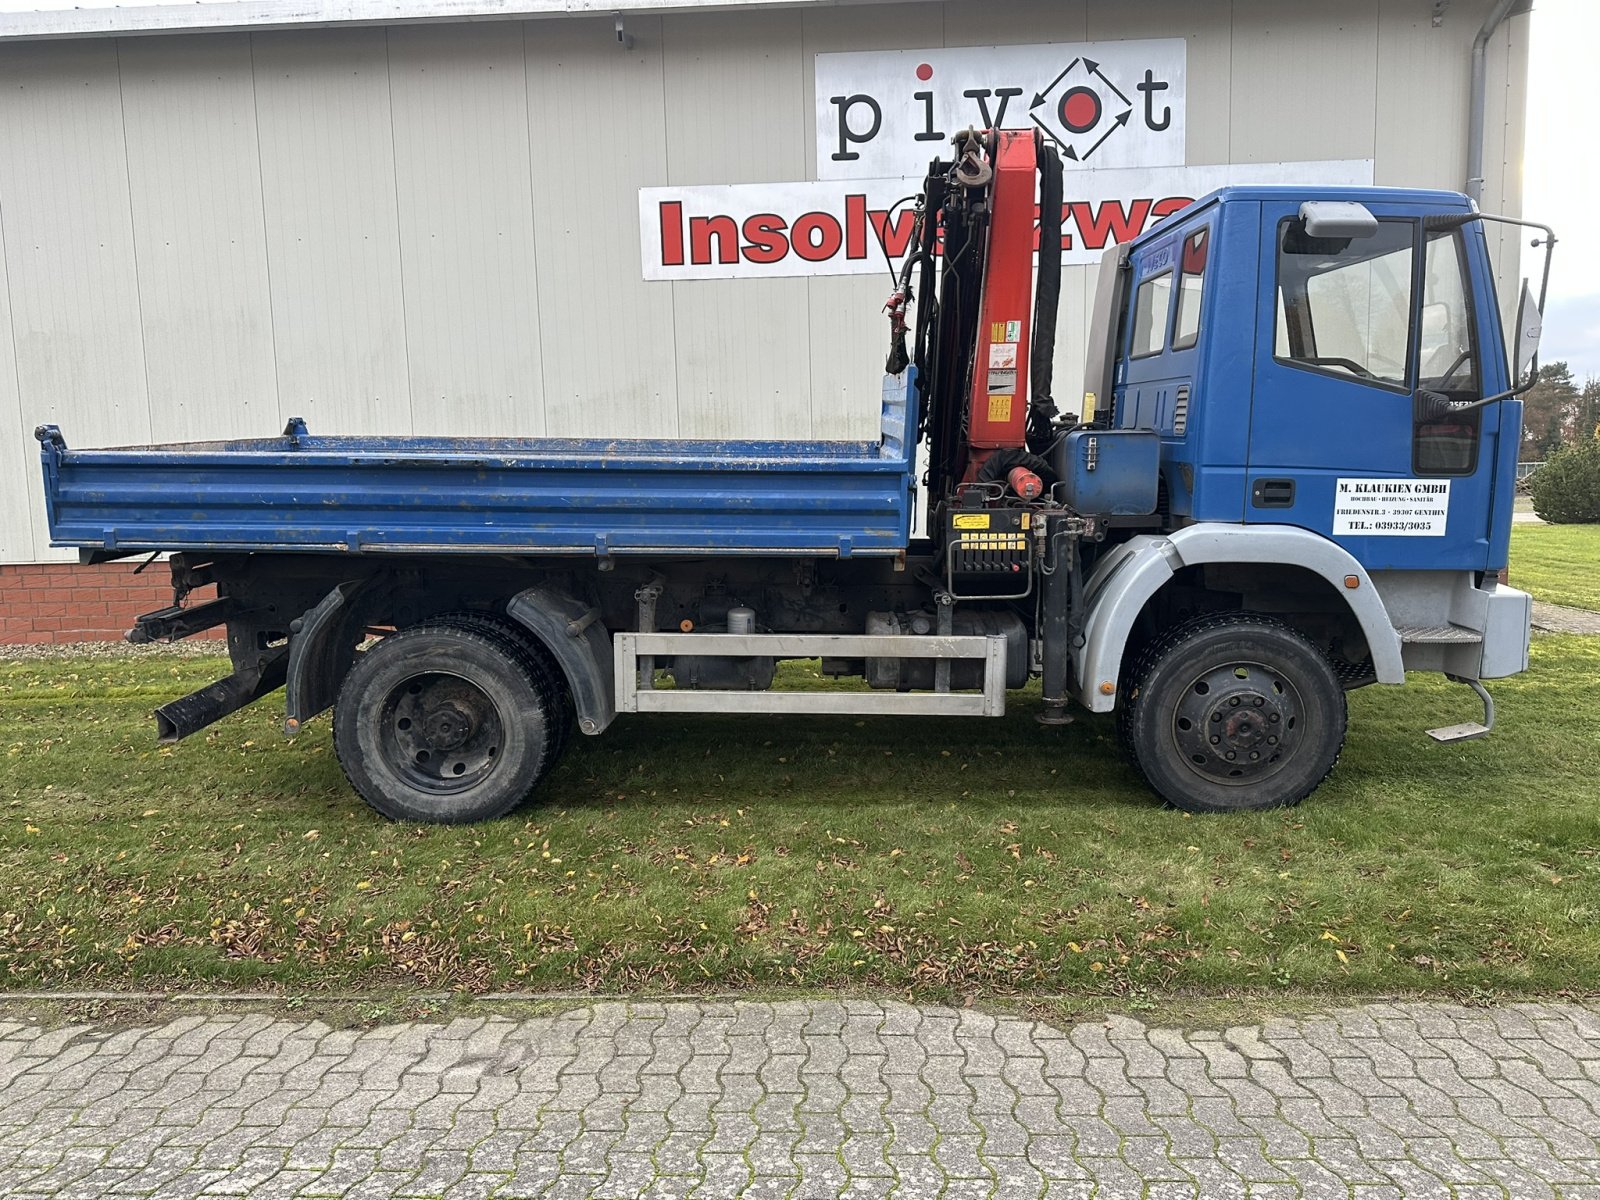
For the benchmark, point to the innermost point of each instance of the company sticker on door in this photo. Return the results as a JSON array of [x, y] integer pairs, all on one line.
[[1391, 507]]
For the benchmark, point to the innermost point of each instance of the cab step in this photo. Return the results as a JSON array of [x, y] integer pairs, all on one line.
[[1438, 635], [1468, 730]]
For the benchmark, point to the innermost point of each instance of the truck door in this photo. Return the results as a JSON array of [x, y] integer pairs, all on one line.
[[1362, 346], [1160, 362]]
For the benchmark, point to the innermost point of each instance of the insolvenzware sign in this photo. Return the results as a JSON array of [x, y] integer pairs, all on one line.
[[1115, 111], [859, 226]]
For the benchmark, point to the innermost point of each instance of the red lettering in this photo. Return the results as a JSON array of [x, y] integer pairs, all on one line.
[[671, 216], [894, 240], [855, 226], [1172, 204], [816, 236], [1108, 221], [703, 229], [766, 238], [764, 233]]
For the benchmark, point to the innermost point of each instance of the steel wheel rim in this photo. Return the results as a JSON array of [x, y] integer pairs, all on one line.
[[441, 733], [1238, 724]]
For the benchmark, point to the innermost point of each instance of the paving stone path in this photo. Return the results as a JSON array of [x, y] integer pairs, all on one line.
[[1558, 618], [807, 1100]]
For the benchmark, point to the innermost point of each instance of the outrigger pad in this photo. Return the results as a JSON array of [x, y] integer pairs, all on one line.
[[1465, 732]]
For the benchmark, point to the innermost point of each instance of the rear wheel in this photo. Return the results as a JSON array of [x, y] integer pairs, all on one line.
[[1234, 711], [516, 639], [446, 724]]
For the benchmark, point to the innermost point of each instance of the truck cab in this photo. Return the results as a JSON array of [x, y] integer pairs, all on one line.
[[1297, 362], [1331, 384]]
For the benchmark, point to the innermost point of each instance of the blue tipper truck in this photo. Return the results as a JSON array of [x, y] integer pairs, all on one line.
[[1290, 474]]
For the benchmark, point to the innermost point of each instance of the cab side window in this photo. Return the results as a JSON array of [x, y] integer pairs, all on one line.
[[1344, 304], [1152, 304], [1448, 352], [1191, 284], [1446, 443]]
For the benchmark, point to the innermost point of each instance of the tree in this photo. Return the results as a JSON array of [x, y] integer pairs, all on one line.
[[1550, 411], [1588, 423], [1566, 490]]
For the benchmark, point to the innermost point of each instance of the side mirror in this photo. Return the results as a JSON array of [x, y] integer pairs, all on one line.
[[1530, 325], [1337, 219]]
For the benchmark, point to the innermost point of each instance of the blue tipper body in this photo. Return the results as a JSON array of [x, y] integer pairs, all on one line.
[[492, 495]]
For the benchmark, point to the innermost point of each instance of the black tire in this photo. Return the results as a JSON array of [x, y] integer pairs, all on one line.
[[446, 725], [1233, 711], [518, 640]]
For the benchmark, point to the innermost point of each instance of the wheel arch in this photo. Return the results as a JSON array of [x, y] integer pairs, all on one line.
[[1128, 579], [322, 643], [323, 640], [578, 641]]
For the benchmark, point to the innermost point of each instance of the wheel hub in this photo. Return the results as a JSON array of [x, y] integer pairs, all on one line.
[[1237, 723], [442, 733], [448, 727], [1245, 729]]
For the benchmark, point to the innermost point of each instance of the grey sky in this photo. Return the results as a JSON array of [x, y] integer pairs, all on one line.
[[1561, 176]]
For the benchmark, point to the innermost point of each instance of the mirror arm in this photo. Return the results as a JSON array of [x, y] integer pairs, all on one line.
[[1533, 378], [1548, 241]]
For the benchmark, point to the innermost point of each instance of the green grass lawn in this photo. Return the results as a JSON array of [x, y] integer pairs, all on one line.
[[946, 856], [1558, 563]]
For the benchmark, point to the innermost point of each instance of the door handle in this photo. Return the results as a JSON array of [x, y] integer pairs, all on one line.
[[1272, 493]]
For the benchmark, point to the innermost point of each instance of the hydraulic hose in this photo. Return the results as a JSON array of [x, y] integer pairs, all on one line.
[[1047, 299]]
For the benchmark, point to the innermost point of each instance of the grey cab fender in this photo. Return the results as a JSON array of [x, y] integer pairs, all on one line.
[[1125, 580]]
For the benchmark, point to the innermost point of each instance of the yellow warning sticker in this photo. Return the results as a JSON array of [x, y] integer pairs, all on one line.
[[970, 520], [997, 331], [1000, 408], [1025, 517]]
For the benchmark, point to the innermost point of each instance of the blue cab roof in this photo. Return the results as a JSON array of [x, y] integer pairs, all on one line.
[[1435, 198]]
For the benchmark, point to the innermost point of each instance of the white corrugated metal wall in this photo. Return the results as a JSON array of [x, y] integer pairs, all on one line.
[[432, 228]]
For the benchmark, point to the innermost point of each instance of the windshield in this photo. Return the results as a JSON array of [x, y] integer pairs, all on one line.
[[1344, 304]]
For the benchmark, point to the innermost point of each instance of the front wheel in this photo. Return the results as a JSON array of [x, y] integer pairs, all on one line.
[[1234, 711], [446, 724]]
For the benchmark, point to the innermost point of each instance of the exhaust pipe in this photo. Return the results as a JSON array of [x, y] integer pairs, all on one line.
[[211, 703]]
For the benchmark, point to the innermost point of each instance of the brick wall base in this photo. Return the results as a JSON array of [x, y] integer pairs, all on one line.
[[65, 602]]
